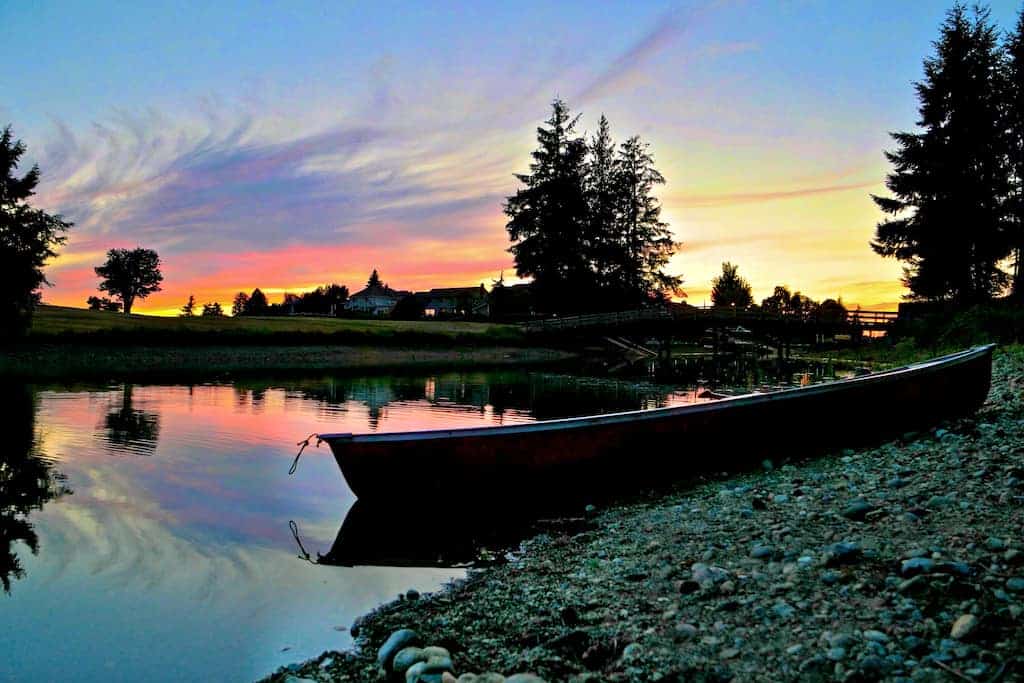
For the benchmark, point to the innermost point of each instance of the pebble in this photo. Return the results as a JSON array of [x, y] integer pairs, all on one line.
[[876, 636], [836, 653], [761, 552], [917, 565], [406, 657], [964, 626], [858, 510], [524, 678], [842, 553], [398, 640], [1015, 584]]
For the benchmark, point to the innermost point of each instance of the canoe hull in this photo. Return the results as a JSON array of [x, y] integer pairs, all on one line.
[[584, 454]]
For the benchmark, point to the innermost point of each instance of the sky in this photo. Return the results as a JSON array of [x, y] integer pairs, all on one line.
[[284, 145]]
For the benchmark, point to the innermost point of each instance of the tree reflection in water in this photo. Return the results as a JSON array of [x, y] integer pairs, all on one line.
[[27, 481], [131, 430]]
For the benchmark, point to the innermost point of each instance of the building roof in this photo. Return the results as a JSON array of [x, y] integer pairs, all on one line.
[[379, 290]]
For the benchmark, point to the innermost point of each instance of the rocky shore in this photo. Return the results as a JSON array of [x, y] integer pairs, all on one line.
[[902, 562]]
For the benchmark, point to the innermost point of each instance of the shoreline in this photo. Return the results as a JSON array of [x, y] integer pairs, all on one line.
[[902, 561], [85, 361]]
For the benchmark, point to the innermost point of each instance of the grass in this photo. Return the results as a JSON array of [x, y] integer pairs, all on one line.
[[59, 324]]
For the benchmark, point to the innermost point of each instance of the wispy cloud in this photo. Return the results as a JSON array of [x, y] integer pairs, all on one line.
[[733, 198]]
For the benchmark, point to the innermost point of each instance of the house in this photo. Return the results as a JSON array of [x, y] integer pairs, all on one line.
[[378, 300], [456, 302]]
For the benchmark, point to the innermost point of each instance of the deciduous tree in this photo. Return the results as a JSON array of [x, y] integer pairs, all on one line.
[[130, 274]]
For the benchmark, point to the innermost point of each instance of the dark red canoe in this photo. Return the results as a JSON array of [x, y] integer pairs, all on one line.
[[607, 450]]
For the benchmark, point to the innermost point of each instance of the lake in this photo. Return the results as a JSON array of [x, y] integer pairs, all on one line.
[[145, 529]]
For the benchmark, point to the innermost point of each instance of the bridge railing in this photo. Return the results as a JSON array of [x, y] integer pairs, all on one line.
[[866, 319]]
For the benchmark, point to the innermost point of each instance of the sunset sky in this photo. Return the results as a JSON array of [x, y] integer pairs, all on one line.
[[286, 145]]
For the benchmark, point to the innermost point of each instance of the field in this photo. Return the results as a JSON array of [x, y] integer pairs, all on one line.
[[54, 324]]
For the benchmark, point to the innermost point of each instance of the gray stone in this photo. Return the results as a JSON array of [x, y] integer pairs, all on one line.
[[783, 609], [524, 678], [406, 657], [761, 552], [858, 510], [917, 565], [412, 594], [842, 553], [939, 502], [836, 654], [1015, 584], [398, 640], [964, 626], [876, 636]]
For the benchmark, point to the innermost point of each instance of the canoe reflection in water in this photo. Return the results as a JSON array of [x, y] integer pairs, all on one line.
[[389, 536]]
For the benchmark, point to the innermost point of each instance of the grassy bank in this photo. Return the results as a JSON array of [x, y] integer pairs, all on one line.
[[72, 342], [63, 325], [61, 361]]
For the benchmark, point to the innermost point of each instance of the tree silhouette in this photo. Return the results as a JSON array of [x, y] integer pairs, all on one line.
[[729, 289], [130, 274], [778, 303], [27, 481], [257, 303], [548, 218], [240, 304], [131, 430], [946, 222], [213, 310], [374, 280], [189, 309], [28, 238], [646, 242], [96, 303], [602, 193], [1014, 81]]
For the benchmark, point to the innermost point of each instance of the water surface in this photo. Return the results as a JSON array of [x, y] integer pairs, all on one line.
[[145, 528]]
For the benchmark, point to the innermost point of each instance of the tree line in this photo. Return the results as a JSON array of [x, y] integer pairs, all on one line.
[[729, 288], [955, 215], [585, 226]]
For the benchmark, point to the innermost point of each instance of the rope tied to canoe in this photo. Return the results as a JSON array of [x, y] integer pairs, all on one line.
[[302, 549], [302, 446]]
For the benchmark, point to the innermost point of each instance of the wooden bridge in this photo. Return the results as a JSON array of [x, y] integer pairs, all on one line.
[[688, 320]]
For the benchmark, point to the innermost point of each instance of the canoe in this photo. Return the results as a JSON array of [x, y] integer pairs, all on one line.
[[584, 454]]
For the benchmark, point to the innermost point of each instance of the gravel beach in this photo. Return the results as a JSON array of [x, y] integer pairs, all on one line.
[[903, 561]]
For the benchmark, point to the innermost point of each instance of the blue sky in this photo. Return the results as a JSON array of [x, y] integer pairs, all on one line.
[[287, 144]]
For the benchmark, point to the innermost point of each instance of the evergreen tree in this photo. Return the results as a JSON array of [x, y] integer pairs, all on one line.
[[240, 304], [548, 218], [258, 304], [730, 289], [212, 310], [945, 216], [1014, 109], [374, 280], [189, 309], [602, 205], [28, 238], [130, 274], [645, 242]]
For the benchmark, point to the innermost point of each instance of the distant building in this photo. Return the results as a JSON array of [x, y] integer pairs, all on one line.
[[511, 302], [456, 302], [377, 301]]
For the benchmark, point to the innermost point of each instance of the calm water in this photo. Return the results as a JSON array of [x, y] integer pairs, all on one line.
[[150, 523]]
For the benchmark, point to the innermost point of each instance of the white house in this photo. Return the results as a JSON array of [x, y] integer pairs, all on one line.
[[378, 300]]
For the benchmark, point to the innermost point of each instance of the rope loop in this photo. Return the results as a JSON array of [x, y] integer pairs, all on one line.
[[302, 446]]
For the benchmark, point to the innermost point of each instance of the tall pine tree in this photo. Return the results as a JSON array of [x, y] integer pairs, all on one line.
[[645, 242], [946, 220], [602, 186], [1014, 108], [548, 218]]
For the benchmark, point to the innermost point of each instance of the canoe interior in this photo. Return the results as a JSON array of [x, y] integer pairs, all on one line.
[[580, 455]]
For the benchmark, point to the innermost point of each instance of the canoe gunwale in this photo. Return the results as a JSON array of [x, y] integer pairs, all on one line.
[[581, 422]]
